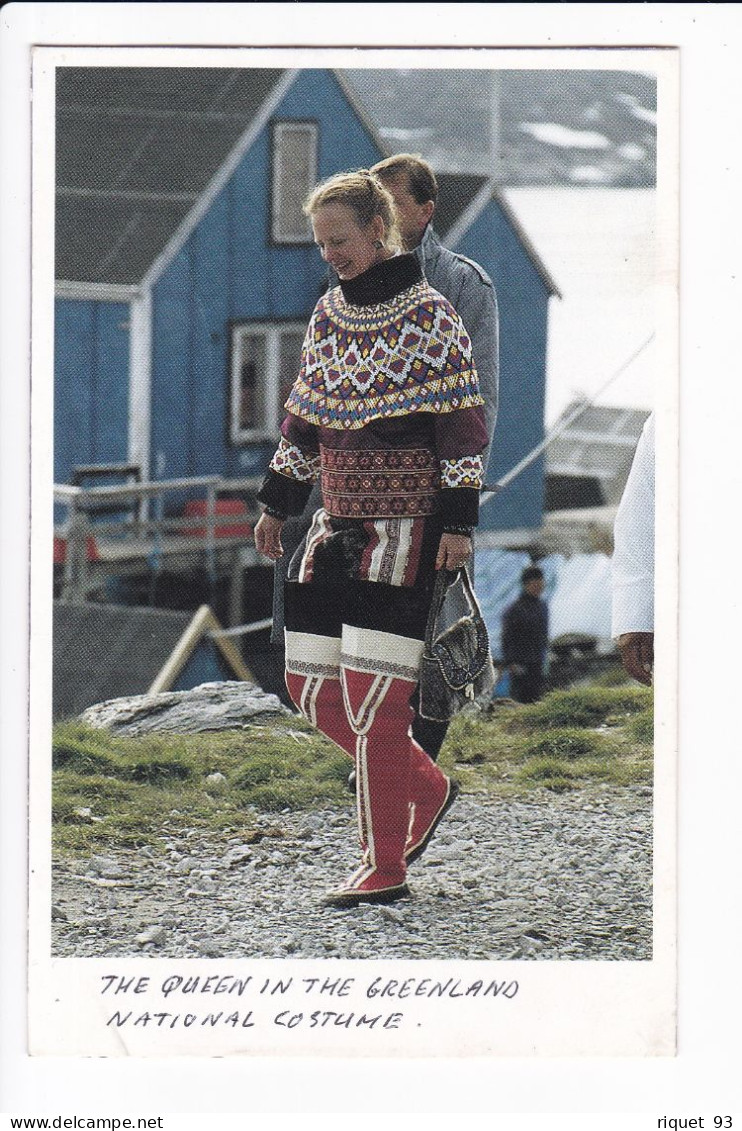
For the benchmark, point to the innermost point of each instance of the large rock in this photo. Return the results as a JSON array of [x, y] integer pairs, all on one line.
[[210, 706]]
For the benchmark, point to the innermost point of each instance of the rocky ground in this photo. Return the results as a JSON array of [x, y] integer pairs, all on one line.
[[554, 876]]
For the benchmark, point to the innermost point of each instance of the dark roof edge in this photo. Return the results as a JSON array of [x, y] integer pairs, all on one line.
[[220, 178], [491, 191]]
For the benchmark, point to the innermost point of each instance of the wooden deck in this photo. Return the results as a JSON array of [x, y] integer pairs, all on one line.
[[145, 535]]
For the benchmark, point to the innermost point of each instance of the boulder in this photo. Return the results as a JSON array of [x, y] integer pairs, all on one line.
[[230, 705]]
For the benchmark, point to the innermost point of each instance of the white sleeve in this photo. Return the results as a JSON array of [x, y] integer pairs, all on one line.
[[633, 538]]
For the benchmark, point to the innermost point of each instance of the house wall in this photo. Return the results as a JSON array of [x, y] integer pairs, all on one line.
[[523, 306], [91, 391], [227, 271]]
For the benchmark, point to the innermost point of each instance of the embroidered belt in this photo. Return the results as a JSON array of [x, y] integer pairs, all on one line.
[[379, 484]]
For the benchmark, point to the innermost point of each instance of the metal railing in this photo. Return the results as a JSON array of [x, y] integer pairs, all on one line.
[[146, 533]]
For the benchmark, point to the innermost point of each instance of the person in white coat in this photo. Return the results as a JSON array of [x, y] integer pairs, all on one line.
[[633, 564]]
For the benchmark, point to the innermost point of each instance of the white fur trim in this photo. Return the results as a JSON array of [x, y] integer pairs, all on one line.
[[382, 652], [310, 654]]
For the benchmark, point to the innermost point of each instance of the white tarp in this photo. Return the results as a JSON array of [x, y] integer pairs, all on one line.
[[581, 601], [578, 591]]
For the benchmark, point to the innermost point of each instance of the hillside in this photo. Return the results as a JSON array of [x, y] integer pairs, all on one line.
[[555, 127]]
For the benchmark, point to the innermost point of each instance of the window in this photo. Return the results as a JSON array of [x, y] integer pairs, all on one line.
[[265, 364], [294, 174]]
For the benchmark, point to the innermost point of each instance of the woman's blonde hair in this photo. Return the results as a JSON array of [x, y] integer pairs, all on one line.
[[362, 191]]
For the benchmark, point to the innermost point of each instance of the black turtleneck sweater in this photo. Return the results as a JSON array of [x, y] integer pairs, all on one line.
[[383, 281]]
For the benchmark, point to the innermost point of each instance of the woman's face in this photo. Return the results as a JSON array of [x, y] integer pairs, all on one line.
[[347, 247]]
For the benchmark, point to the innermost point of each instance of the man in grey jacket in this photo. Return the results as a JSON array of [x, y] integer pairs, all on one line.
[[465, 284], [468, 287]]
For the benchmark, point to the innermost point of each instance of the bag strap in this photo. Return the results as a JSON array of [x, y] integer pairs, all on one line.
[[445, 579], [469, 591]]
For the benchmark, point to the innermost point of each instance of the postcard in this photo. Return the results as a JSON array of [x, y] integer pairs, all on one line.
[[177, 895]]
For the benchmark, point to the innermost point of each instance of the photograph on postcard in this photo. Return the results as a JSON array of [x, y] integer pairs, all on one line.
[[357, 365]]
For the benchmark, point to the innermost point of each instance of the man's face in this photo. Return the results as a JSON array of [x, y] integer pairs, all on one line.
[[413, 217], [535, 586]]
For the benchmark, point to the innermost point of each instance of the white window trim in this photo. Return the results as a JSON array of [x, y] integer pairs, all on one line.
[[312, 129], [270, 428]]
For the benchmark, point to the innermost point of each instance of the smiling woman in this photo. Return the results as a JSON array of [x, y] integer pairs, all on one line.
[[354, 223], [386, 412], [350, 250]]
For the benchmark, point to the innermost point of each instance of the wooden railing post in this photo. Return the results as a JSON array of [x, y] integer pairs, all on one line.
[[73, 585], [211, 531]]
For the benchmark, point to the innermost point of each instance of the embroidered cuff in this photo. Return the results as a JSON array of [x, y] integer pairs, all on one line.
[[291, 461], [287, 496], [464, 531], [465, 472]]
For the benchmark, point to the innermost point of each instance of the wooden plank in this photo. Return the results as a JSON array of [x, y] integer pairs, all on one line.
[[142, 548]]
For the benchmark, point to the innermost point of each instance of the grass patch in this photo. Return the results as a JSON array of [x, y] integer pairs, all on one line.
[[559, 775], [288, 772], [641, 728], [87, 790], [128, 792], [474, 740], [549, 773], [568, 740], [80, 749], [568, 744], [580, 707], [616, 676]]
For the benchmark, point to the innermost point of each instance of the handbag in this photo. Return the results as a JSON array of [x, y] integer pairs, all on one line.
[[456, 667]]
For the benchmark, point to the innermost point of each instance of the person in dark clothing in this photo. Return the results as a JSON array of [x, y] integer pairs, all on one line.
[[525, 637]]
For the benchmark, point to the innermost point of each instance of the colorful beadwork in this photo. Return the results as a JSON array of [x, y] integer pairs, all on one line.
[[359, 484], [466, 472], [292, 461], [410, 354]]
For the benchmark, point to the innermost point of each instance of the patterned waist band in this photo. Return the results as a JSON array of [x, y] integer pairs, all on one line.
[[377, 484]]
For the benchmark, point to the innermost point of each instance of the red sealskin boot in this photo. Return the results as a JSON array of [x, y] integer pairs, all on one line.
[[367, 885], [313, 682], [377, 705], [320, 700], [425, 816]]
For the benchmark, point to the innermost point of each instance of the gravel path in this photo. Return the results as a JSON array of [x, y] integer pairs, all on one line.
[[550, 877]]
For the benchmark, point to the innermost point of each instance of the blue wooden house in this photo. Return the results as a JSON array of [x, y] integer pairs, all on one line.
[[186, 271], [474, 218]]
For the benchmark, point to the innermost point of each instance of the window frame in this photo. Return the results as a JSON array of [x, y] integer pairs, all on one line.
[[310, 126], [271, 331]]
